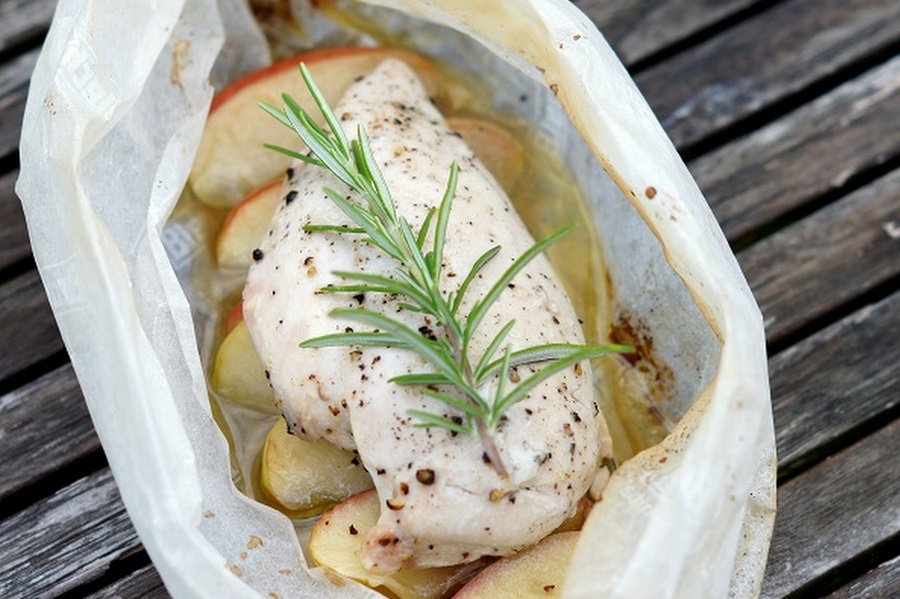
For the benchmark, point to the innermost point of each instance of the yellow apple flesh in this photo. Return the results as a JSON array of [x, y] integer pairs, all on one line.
[[306, 478], [536, 572], [239, 376]]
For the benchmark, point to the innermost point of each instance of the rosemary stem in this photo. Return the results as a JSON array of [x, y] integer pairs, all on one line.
[[490, 448], [484, 435]]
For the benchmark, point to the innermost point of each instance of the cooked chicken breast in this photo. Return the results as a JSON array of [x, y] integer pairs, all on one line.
[[442, 502]]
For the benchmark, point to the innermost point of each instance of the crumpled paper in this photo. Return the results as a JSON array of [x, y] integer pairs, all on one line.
[[114, 115]]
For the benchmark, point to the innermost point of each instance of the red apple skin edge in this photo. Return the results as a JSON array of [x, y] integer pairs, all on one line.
[[289, 63], [255, 195]]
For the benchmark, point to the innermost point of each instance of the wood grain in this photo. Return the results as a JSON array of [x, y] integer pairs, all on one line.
[[144, 583], [882, 582], [835, 382], [65, 540], [834, 512], [44, 427], [23, 20], [28, 332], [14, 244], [765, 59], [809, 152], [14, 78], [640, 28], [833, 256]]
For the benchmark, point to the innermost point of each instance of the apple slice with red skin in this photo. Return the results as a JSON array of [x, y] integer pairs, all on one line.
[[337, 538], [246, 225], [231, 160]]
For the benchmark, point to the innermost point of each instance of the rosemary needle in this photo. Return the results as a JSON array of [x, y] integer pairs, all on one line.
[[457, 379]]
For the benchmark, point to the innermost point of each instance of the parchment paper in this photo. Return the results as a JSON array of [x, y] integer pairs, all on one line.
[[114, 115]]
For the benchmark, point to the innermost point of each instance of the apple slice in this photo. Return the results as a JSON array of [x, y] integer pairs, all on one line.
[[231, 160], [235, 316], [239, 376], [337, 538], [575, 522], [246, 225], [495, 146], [536, 572], [306, 478]]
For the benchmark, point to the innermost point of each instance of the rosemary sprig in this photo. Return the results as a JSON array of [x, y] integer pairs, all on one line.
[[459, 380]]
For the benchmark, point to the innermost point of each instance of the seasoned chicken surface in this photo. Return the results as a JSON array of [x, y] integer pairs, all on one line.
[[442, 502]]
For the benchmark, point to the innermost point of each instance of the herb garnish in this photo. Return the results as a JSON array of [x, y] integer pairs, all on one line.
[[458, 380]]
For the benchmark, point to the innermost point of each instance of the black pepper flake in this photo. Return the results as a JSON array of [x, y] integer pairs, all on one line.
[[355, 461], [384, 541], [353, 530], [290, 173], [258, 255], [360, 298], [404, 488], [485, 458], [290, 197], [380, 472], [425, 476], [576, 417]]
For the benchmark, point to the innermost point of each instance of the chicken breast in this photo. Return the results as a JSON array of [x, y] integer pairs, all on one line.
[[442, 501]]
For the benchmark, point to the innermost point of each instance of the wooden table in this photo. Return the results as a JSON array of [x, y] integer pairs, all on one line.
[[788, 113]]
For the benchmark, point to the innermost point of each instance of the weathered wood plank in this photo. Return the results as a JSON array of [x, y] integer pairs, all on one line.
[[65, 540], [13, 234], [23, 20], [764, 59], [807, 153], [834, 512], [44, 426], [28, 331], [14, 78], [837, 254], [640, 28], [144, 583], [882, 582], [835, 381]]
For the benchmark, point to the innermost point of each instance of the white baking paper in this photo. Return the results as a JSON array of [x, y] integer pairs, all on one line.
[[114, 115]]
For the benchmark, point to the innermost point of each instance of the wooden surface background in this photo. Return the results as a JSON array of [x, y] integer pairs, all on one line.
[[788, 114]]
